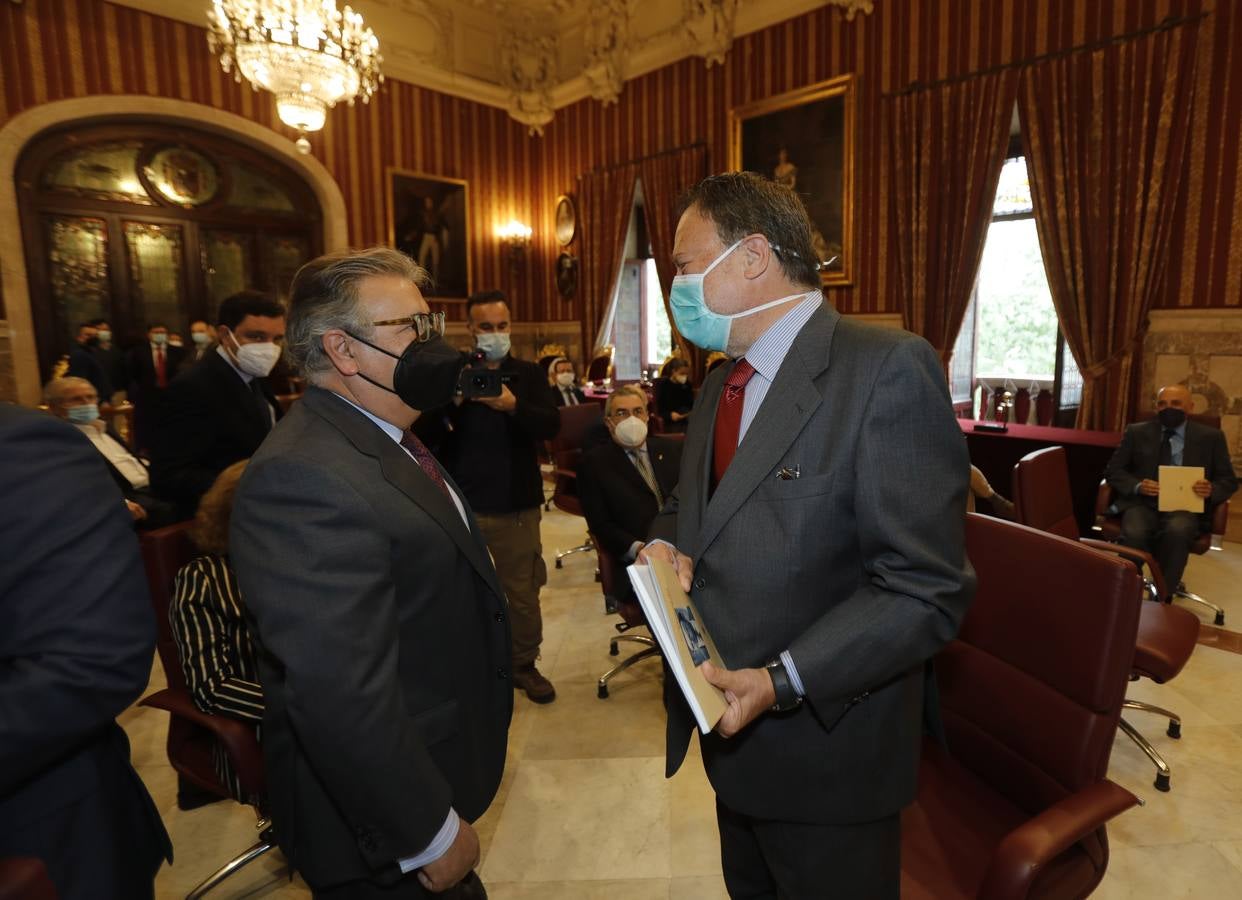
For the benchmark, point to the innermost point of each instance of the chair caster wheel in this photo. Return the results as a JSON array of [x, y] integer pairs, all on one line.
[[1175, 730], [1162, 782], [558, 564], [602, 693], [1220, 618], [613, 649]]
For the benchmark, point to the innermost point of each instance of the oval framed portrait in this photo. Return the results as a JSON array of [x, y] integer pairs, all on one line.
[[566, 220], [182, 176]]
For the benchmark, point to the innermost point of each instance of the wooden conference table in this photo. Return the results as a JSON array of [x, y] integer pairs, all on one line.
[[1086, 452]]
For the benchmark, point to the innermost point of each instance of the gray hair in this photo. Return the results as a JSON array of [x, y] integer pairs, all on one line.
[[626, 390], [324, 296], [55, 389]]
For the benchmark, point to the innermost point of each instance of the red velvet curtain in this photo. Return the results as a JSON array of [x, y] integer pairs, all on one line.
[[946, 146], [605, 201], [1105, 136], [665, 179]]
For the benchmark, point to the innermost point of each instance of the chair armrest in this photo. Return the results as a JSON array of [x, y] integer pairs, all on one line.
[[236, 737], [1035, 843], [565, 473], [1138, 557]]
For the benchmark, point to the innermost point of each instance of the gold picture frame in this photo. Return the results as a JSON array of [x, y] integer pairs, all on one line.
[[819, 121], [428, 219]]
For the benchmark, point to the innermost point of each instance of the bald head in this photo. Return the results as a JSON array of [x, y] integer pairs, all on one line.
[[1175, 396]]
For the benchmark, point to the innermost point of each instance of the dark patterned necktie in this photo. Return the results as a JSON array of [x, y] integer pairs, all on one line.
[[729, 419], [1166, 448], [425, 460]]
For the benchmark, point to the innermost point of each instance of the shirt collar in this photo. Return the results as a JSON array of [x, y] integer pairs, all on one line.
[[387, 427], [769, 351], [228, 359]]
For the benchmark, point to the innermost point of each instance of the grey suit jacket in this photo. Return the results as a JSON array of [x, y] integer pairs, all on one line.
[[1138, 457], [857, 567], [383, 645]]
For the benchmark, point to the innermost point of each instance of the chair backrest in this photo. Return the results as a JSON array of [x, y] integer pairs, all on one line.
[[601, 366], [566, 450], [1041, 493], [1031, 688], [1043, 407], [164, 552], [25, 878], [1022, 405]]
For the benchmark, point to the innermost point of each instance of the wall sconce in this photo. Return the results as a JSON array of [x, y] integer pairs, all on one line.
[[515, 238]]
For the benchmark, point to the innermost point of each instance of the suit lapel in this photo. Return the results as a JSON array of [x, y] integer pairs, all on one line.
[[625, 468], [404, 474], [694, 484], [788, 406]]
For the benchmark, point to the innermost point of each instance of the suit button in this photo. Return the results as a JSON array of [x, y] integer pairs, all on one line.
[[502, 674], [500, 617], [700, 583]]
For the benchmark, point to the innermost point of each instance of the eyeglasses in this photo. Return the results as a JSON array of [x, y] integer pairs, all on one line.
[[425, 325], [640, 413]]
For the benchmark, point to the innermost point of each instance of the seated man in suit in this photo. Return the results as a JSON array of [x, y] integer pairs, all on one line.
[[622, 483], [151, 367], [563, 384], [1168, 440], [218, 412], [76, 401], [76, 644]]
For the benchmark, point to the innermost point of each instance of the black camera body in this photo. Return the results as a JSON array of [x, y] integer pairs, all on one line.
[[477, 380]]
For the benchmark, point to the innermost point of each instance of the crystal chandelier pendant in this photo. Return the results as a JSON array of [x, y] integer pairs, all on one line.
[[307, 52]]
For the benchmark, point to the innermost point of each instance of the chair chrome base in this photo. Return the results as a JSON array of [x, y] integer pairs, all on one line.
[[614, 650], [581, 548], [1180, 591], [237, 863], [1174, 731]]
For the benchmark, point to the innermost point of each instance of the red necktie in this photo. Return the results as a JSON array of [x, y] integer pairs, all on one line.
[[425, 460], [729, 419], [161, 373]]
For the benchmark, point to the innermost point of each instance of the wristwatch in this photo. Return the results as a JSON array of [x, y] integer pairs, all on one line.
[[786, 697]]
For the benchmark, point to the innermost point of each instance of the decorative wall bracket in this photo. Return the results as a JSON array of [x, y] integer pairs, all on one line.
[[530, 72]]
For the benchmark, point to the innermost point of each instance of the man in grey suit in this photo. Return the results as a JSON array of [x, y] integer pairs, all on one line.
[[818, 524], [382, 630], [1170, 439]]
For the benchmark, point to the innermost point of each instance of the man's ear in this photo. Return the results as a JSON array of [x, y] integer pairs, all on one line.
[[336, 344], [758, 255]]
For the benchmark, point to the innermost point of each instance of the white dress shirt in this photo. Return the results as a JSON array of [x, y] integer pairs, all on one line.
[[116, 453]]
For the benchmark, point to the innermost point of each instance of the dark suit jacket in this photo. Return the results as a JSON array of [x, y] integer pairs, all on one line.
[[558, 398], [85, 363], [618, 505], [144, 390], [159, 512], [208, 421], [77, 637], [857, 567], [1138, 457], [383, 645]]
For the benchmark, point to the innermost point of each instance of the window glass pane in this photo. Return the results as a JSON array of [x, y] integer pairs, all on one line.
[[1017, 323], [282, 256], [252, 189], [627, 332], [658, 333], [155, 268], [1013, 191], [226, 265], [78, 269], [962, 363], [106, 171]]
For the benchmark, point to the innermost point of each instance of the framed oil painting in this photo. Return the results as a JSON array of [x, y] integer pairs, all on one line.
[[805, 139], [428, 220]]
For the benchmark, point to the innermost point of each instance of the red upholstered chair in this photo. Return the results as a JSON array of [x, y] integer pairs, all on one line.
[[192, 734], [1043, 407], [1031, 692], [566, 449], [631, 617], [25, 878], [1167, 634]]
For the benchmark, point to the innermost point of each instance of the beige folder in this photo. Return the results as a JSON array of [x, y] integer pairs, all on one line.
[[1177, 489]]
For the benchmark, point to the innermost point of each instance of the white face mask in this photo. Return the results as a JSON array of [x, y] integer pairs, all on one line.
[[256, 360], [494, 344], [681, 379], [565, 379], [631, 432]]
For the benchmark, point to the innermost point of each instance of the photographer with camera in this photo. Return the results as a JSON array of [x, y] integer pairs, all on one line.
[[488, 439]]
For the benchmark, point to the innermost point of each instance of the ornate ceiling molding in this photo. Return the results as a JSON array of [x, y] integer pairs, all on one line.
[[533, 57]]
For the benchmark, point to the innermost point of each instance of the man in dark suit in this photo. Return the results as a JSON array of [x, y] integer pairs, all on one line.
[[84, 361], [75, 650], [623, 482], [382, 629], [109, 356], [1170, 439], [151, 367], [491, 445], [818, 524], [218, 412], [562, 385]]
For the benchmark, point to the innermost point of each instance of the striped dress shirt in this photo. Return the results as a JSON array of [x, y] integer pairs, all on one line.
[[216, 650]]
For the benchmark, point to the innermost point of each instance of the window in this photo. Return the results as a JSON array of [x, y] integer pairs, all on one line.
[[1010, 338]]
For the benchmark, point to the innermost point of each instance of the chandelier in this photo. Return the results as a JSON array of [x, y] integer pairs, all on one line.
[[307, 52]]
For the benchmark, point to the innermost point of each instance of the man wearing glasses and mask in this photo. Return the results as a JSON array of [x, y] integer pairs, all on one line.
[[382, 628]]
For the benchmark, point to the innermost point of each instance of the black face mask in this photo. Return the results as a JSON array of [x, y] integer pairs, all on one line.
[[1171, 417], [426, 373]]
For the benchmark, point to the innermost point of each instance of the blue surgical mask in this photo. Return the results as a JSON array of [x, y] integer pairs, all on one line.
[[695, 321], [494, 344], [159, 339], [84, 414]]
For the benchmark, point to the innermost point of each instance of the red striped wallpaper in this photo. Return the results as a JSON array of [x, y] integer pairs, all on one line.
[[51, 51]]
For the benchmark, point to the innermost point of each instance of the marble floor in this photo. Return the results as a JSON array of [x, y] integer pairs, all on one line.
[[584, 812]]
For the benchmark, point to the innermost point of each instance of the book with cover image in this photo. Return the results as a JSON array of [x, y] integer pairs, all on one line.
[[683, 639]]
